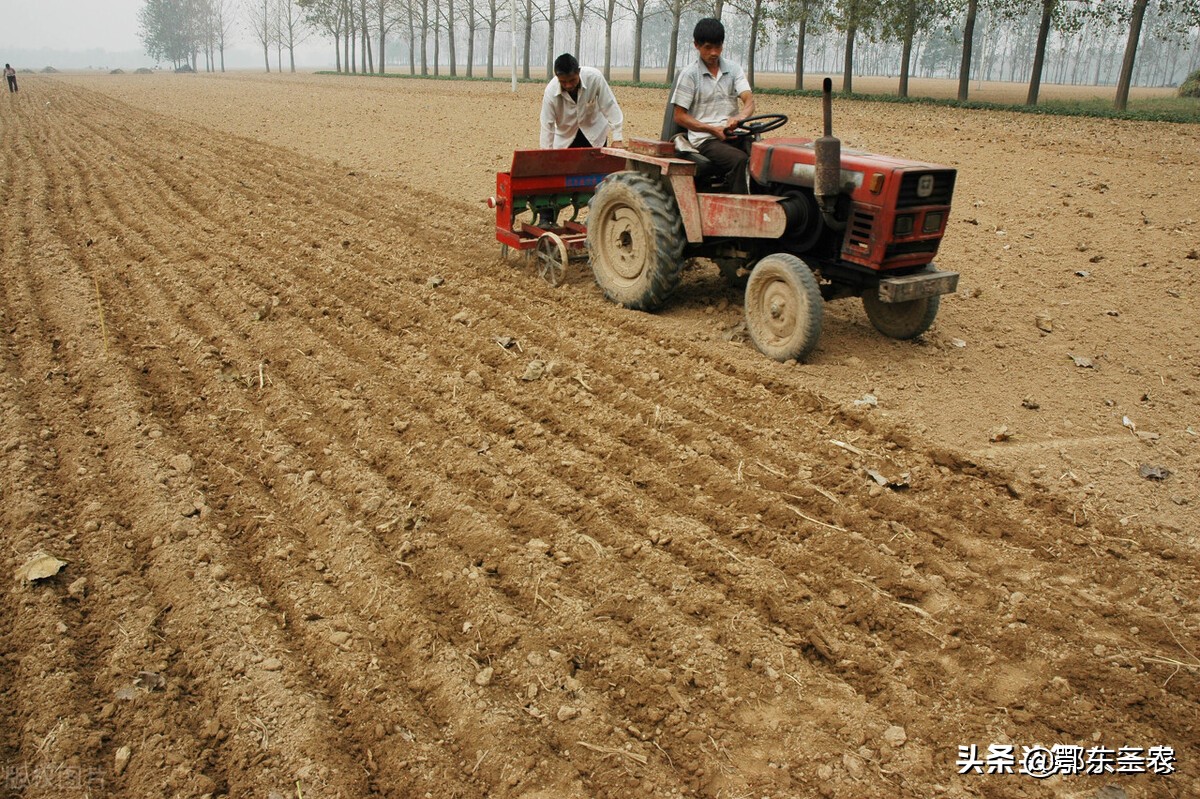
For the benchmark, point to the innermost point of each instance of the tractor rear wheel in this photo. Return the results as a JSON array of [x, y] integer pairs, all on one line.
[[901, 320], [635, 239], [784, 308]]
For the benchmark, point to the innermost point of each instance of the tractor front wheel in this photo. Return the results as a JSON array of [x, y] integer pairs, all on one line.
[[901, 320], [635, 239], [784, 308]]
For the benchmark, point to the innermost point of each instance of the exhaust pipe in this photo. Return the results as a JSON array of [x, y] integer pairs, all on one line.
[[827, 179]]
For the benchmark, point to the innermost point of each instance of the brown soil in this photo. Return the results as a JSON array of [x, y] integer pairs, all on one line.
[[322, 539]]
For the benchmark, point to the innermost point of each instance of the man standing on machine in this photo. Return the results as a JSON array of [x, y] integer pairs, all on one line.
[[706, 99]]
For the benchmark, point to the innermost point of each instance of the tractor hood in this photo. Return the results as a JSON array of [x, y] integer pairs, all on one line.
[[866, 177]]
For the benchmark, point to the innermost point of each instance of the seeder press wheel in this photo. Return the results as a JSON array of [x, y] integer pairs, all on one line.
[[552, 258]]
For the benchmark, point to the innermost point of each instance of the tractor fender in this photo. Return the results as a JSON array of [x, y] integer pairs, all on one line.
[[678, 175]]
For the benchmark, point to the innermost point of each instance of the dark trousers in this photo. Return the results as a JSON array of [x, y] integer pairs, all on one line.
[[12, 82], [546, 218], [730, 160]]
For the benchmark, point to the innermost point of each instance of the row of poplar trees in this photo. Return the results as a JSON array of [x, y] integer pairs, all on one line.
[[178, 30], [182, 32], [354, 24]]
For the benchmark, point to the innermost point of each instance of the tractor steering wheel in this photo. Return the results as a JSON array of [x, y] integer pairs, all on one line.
[[758, 125]]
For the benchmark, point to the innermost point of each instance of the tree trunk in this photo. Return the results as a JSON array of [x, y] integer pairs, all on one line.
[[610, 12], [382, 39], [437, 37], [906, 51], [412, 42], [492, 23], [579, 27], [528, 38], [424, 37], [1131, 47], [673, 53], [755, 18], [352, 36], [1039, 53], [471, 28], [718, 7], [800, 53], [964, 69], [450, 38], [639, 22], [848, 61], [365, 38], [550, 42]]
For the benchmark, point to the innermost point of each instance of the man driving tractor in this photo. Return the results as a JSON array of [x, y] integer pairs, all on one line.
[[706, 99]]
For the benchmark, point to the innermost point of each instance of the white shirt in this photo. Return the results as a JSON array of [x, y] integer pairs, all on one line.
[[593, 112], [711, 100]]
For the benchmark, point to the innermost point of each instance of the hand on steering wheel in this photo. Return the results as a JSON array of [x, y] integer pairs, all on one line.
[[757, 125]]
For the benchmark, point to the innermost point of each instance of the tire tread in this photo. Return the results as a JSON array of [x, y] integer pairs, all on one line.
[[667, 226]]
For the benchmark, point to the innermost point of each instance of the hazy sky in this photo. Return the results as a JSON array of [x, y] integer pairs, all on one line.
[[70, 24]]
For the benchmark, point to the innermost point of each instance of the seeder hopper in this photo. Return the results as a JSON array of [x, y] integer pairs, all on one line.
[[541, 185]]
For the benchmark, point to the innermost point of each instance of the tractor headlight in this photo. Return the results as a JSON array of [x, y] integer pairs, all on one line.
[[933, 222], [904, 225]]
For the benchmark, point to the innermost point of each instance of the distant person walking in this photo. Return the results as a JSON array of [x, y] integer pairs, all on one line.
[[11, 74]]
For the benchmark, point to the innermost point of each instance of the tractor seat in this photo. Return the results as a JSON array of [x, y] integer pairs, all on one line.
[[707, 174]]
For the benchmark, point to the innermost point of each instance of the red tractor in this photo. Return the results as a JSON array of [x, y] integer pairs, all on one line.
[[823, 224]]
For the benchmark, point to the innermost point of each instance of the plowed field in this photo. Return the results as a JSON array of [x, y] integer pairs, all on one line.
[[269, 392]]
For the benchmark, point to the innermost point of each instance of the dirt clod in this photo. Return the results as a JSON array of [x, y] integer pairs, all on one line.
[[121, 760]]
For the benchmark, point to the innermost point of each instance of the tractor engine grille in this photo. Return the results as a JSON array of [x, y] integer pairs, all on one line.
[[942, 190], [861, 223]]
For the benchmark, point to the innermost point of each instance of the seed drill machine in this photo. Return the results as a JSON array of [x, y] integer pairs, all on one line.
[[820, 223]]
